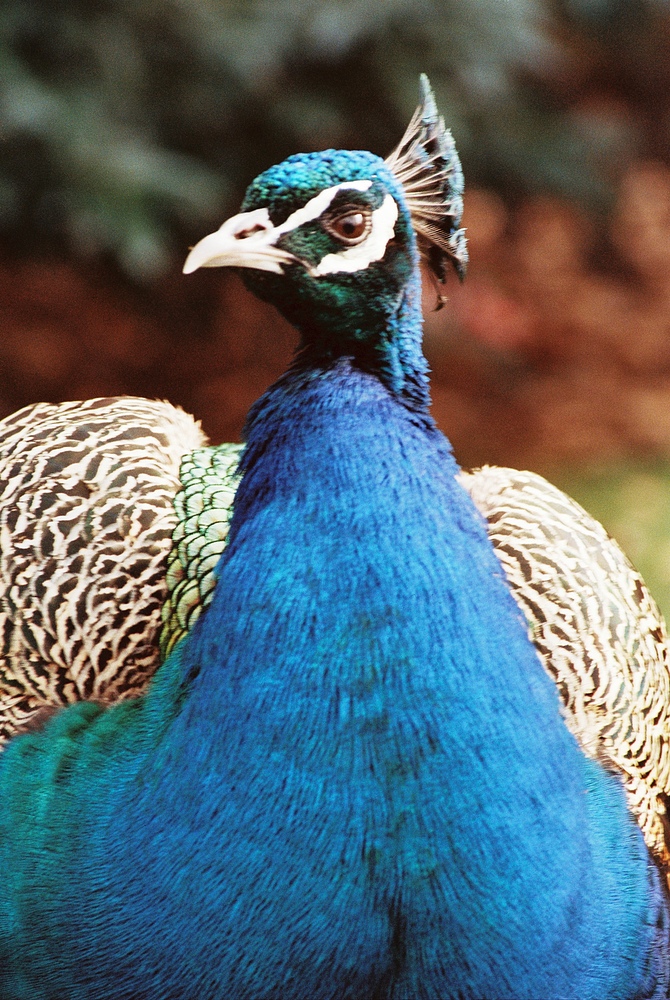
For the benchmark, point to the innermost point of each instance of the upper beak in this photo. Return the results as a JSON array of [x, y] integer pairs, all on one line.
[[245, 240]]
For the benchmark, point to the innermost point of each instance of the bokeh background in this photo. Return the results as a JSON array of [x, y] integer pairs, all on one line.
[[130, 128]]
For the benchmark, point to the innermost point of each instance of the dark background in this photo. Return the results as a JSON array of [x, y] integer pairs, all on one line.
[[129, 129]]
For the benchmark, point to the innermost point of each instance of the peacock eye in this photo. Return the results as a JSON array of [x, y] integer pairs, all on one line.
[[349, 227]]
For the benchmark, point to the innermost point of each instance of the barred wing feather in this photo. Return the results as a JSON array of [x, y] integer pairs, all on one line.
[[86, 524]]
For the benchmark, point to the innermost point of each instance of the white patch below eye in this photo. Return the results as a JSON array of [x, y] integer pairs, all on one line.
[[373, 248]]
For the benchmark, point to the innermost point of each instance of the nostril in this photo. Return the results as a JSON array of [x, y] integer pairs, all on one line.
[[243, 233]]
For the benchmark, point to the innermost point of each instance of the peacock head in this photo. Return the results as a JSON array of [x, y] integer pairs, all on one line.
[[333, 239]]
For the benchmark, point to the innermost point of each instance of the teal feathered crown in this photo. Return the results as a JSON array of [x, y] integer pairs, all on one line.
[[427, 165]]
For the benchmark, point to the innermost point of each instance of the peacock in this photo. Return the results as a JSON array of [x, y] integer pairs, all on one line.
[[408, 735]]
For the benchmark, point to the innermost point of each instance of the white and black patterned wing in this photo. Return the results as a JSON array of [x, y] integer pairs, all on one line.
[[596, 628], [86, 524]]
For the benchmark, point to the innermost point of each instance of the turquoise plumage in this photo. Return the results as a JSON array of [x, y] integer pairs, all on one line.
[[352, 777]]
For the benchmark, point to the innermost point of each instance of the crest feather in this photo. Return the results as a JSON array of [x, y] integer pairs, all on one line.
[[427, 165]]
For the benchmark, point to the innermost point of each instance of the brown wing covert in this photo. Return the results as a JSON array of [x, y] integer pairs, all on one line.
[[86, 523]]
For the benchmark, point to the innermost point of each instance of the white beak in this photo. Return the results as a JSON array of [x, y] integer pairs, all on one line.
[[245, 240]]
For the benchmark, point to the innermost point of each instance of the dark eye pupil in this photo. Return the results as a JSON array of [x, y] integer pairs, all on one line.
[[350, 226]]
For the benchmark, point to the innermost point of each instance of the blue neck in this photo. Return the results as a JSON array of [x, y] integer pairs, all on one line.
[[403, 368], [352, 779], [401, 365], [382, 338]]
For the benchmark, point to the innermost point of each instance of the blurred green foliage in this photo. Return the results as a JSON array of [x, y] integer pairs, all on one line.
[[128, 125], [632, 500]]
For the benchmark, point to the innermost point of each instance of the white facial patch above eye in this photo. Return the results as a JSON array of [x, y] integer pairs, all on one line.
[[373, 247], [317, 205]]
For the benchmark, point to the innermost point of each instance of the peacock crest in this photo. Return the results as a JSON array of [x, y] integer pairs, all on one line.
[[427, 165]]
